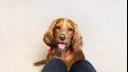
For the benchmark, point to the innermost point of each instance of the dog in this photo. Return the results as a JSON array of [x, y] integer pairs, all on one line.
[[65, 42]]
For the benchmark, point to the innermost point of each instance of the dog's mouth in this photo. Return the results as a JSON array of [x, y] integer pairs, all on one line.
[[61, 46]]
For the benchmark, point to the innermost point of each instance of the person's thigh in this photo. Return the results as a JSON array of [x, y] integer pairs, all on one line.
[[82, 66], [55, 65]]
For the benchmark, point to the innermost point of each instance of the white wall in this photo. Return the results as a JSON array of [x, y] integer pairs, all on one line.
[[101, 22]]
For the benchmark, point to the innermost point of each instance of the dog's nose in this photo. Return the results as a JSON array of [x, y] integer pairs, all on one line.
[[62, 37]]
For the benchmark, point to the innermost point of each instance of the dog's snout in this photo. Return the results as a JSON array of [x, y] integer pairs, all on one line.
[[62, 37]]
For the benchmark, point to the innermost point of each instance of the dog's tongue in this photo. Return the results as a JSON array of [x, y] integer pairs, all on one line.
[[61, 46]]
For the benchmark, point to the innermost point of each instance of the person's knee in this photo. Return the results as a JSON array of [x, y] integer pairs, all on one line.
[[55, 65], [83, 65], [81, 62], [56, 60]]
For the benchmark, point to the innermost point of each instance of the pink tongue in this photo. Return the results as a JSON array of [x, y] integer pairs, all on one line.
[[61, 46]]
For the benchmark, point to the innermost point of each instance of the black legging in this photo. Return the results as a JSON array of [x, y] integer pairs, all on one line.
[[56, 65]]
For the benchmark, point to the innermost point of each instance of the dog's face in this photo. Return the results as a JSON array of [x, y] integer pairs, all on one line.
[[63, 34]]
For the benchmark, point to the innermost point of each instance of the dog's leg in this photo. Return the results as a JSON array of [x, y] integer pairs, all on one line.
[[40, 63]]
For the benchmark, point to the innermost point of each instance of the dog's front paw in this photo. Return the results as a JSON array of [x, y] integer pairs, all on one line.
[[36, 64]]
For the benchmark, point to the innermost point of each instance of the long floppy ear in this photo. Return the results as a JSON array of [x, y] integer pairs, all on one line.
[[48, 36], [77, 41]]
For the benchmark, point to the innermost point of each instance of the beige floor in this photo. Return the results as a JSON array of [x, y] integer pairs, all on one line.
[[101, 22]]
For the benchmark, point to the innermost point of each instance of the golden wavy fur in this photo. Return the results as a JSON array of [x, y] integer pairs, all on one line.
[[65, 32]]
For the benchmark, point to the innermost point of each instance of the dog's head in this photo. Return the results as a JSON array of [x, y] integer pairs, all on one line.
[[63, 34]]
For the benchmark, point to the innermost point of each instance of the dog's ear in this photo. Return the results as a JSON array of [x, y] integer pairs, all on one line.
[[48, 36], [77, 41]]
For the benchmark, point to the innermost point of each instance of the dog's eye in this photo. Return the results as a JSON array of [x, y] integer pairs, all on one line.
[[70, 29], [57, 27]]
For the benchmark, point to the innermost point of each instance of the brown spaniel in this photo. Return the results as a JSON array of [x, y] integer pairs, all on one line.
[[65, 42]]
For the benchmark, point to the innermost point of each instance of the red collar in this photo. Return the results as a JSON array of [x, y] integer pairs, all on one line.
[[52, 53]]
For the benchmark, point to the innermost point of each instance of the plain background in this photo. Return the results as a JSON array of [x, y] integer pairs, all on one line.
[[102, 23]]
